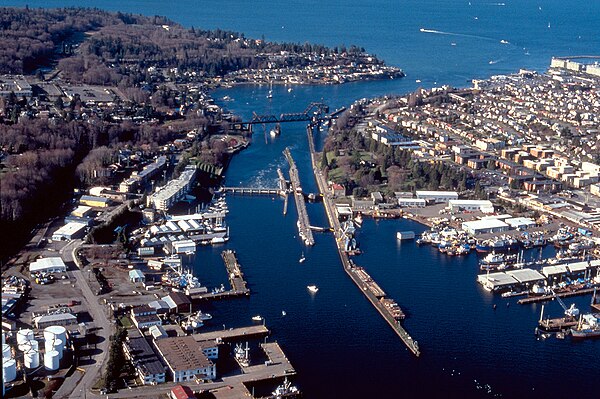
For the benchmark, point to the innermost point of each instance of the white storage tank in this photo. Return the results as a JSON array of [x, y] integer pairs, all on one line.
[[24, 336], [6, 352], [55, 332], [53, 343], [9, 369], [32, 359], [59, 346], [51, 360], [26, 346]]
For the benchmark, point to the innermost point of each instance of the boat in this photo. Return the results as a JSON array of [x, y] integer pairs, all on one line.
[[588, 326], [289, 89], [276, 131], [504, 41], [302, 258], [498, 244], [285, 390], [257, 318], [283, 313], [312, 288], [358, 219], [242, 355], [418, 81]]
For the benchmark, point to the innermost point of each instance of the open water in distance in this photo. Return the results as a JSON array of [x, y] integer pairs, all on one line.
[[337, 342]]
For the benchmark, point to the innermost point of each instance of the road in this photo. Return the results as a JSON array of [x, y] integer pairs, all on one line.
[[101, 322]]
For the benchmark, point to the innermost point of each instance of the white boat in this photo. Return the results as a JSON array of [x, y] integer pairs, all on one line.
[[242, 355], [312, 288], [270, 95], [289, 90], [504, 41], [302, 258], [283, 313], [418, 81], [257, 318], [285, 389]]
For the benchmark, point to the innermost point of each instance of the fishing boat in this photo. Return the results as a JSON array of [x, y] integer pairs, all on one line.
[[312, 288], [242, 355], [588, 327], [498, 244], [285, 390]]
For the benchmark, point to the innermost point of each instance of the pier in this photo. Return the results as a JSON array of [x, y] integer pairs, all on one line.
[[386, 307], [566, 294], [233, 334], [303, 223], [236, 277]]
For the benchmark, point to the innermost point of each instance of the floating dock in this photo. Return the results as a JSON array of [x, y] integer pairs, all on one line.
[[303, 223], [567, 294], [386, 307], [236, 277], [253, 191]]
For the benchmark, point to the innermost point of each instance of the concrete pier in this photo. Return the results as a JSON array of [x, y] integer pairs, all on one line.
[[303, 222], [386, 307]]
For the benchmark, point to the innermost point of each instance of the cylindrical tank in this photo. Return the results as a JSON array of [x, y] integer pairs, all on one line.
[[6, 352], [28, 345], [24, 335], [59, 347], [32, 359], [51, 360], [9, 369], [52, 343], [55, 332]]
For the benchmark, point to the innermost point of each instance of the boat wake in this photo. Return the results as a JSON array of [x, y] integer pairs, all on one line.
[[439, 32], [492, 62]]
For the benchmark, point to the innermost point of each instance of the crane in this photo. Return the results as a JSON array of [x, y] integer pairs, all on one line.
[[571, 312]]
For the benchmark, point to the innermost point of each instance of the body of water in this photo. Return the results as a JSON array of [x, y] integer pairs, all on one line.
[[337, 342]]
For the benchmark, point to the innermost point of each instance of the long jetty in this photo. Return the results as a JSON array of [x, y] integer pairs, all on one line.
[[386, 307], [303, 222], [236, 277], [566, 294]]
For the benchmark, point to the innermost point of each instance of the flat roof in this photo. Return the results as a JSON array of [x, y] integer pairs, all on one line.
[[470, 202], [437, 193], [182, 353], [497, 279], [499, 217], [526, 275], [485, 224], [520, 221], [93, 198], [51, 318], [47, 263], [552, 270], [70, 228], [577, 266]]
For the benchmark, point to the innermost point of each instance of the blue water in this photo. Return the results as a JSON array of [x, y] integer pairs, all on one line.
[[337, 342]]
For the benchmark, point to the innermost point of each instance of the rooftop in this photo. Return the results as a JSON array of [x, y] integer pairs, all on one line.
[[182, 353]]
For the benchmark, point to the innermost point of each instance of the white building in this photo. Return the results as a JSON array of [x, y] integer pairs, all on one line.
[[411, 202], [485, 226], [521, 223], [484, 206], [185, 359], [173, 191], [48, 265], [69, 231], [437, 196]]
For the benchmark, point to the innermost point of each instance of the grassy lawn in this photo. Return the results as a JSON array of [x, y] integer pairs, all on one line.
[[125, 321]]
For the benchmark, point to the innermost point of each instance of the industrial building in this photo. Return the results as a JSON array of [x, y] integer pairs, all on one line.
[[94, 201], [173, 191], [56, 319], [149, 369], [136, 276], [82, 211], [437, 196], [411, 202], [70, 231], [485, 226], [185, 359], [483, 206], [178, 302], [520, 223], [145, 317], [48, 265]]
